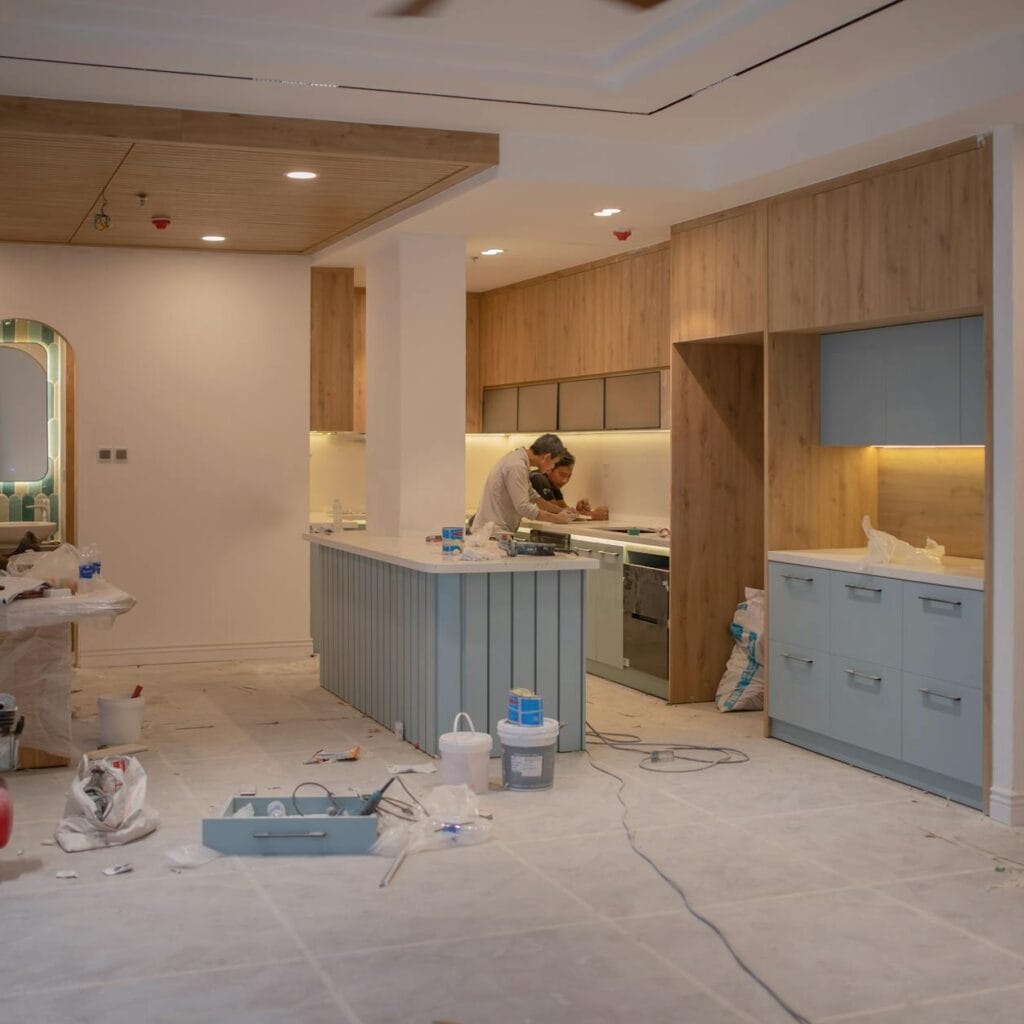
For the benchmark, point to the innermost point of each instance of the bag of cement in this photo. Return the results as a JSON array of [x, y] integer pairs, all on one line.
[[106, 805], [742, 685], [884, 548]]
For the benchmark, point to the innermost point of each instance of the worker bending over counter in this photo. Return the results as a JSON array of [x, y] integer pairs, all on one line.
[[549, 486], [509, 497]]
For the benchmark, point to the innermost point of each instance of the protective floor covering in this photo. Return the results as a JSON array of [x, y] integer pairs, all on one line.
[[856, 898]]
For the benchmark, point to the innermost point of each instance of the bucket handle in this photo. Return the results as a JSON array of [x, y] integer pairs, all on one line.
[[465, 715]]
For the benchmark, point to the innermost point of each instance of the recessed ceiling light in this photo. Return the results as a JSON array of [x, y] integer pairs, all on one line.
[[214, 238], [302, 175], [608, 211], [491, 252]]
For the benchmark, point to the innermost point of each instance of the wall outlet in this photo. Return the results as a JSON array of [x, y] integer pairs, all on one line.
[[120, 454], [104, 454]]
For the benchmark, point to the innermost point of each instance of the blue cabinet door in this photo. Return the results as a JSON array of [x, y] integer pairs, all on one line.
[[866, 615], [942, 727], [799, 597], [864, 705], [943, 633], [922, 383], [798, 686], [972, 380], [852, 388]]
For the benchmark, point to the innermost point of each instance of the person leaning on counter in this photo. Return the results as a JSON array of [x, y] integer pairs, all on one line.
[[509, 498], [549, 486]]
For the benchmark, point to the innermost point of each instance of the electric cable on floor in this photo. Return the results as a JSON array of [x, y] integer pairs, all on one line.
[[660, 754], [633, 743]]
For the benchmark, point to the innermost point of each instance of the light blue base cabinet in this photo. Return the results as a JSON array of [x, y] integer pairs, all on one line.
[[882, 673], [419, 647]]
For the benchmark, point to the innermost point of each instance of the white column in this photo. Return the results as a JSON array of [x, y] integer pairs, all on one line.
[[416, 385], [1006, 797]]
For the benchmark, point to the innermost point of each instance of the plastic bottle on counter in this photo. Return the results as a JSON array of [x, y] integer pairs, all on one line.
[[337, 514]]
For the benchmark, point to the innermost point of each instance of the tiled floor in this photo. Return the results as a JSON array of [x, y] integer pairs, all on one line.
[[856, 898]]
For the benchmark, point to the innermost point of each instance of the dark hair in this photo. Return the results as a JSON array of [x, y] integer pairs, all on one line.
[[568, 459], [548, 444]]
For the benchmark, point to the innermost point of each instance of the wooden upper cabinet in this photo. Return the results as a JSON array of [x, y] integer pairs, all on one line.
[[606, 317], [909, 240], [331, 349], [718, 276]]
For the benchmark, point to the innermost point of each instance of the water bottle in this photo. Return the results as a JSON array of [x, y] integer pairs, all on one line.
[[276, 809], [337, 514]]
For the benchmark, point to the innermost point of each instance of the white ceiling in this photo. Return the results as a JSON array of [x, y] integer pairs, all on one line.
[[919, 73]]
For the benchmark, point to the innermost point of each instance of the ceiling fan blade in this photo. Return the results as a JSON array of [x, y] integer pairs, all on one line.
[[415, 8]]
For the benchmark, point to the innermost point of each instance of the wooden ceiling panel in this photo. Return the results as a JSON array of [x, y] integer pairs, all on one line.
[[48, 186], [213, 173]]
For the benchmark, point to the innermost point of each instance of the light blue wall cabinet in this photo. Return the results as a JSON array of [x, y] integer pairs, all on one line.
[[853, 388], [922, 383], [882, 673], [604, 603], [972, 380], [906, 385]]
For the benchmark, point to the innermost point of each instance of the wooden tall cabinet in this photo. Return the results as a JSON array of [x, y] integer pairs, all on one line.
[[331, 348]]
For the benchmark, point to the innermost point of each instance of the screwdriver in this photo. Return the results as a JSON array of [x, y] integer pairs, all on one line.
[[374, 799]]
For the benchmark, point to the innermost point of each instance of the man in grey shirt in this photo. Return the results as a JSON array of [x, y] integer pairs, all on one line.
[[508, 496]]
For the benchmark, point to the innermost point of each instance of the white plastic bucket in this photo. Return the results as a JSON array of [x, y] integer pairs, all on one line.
[[465, 756], [528, 754], [120, 720]]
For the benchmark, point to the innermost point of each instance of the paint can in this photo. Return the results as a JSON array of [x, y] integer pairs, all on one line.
[[528, 754]]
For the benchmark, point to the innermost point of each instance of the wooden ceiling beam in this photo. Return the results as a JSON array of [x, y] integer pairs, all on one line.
[[24, 115]]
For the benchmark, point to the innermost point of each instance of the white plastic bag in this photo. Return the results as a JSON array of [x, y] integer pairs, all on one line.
[[59, 568], [106, 805], [884, 548], [742, 686]]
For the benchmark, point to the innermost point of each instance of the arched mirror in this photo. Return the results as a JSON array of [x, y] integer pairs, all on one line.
[[23, 413]]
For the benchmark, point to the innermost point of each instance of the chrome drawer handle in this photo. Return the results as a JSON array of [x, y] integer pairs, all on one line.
[[798, 579], [289, 835], [863, 675], [793, 657], [586, 551], [935, 693], [857, 586], [611, 554], [939, 600]]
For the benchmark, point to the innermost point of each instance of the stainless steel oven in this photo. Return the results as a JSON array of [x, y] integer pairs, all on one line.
[[645, 594]]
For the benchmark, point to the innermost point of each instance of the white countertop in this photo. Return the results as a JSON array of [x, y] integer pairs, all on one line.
[[968, 573], [415, 553], [602, 531]]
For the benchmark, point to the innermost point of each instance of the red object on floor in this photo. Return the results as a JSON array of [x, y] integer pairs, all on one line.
[[6, 815]]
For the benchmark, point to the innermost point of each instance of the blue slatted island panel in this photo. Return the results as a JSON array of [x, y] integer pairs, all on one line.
[[421, 641]]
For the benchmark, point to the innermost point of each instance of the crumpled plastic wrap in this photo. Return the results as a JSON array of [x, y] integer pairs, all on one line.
[[450, 816], [35, 667], [35, 659], [885, 549]]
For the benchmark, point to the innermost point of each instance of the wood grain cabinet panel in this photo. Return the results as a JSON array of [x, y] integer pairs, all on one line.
[[719, 276], [331, 348]]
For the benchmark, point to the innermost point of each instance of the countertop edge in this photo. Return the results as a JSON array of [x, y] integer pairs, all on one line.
[[846, 563], [377, 549]]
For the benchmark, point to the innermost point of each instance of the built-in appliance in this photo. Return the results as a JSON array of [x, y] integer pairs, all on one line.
[[645, 593]]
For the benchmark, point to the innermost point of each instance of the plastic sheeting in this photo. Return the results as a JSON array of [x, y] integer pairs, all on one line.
[[35, 659]]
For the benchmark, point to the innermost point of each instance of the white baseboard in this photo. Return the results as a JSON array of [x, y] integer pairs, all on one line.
[[1006, 806], [188, 653]]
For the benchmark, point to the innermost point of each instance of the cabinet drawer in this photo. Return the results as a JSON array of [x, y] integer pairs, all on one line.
[[942, 633], [799, 605], [865, 617], [865, 702], [798, 686], [942, 727]]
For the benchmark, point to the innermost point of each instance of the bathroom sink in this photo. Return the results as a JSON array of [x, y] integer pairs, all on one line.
[[11, 533]]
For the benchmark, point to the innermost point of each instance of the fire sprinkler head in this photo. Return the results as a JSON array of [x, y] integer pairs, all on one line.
[[623, 234], [161, 223]]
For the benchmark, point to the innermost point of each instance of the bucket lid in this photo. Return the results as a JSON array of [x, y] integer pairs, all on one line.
[[528, 735]]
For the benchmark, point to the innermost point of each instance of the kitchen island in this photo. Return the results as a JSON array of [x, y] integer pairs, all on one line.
[[407, 635]]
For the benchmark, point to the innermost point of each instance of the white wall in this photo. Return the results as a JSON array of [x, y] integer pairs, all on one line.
[[629, 471], [1006, 798], [198, 364]]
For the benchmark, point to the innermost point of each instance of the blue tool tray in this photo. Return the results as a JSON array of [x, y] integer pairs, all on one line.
[[292, 834]]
